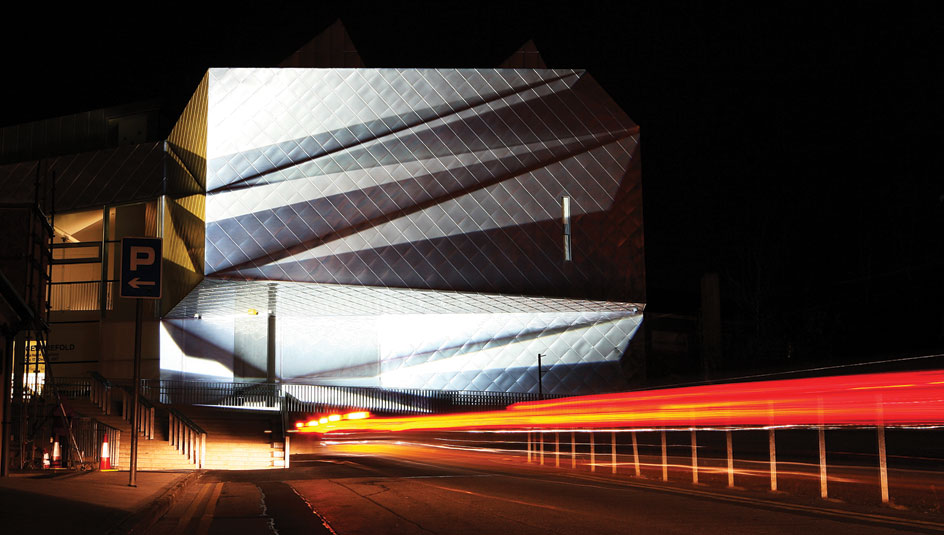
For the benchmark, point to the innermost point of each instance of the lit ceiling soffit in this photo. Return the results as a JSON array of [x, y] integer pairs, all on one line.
[[214, 298]]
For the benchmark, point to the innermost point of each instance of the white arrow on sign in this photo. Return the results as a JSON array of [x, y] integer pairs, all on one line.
[[135, 283]]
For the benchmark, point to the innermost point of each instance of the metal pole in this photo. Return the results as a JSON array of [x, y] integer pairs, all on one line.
[[593, 454], [730, 458], [613, 450], [136, 389], [773, 459], [5, 413], [665, 465], [636, 454], [573, 449], [556, 449], [540, 378], [822, 462], [541, 434], [694, 458], [882, 464], [19, 408], [529, 446]]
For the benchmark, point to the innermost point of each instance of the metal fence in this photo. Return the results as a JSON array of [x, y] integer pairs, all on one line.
[[319, 398], [89, 436], [222, 394], [84, 295]]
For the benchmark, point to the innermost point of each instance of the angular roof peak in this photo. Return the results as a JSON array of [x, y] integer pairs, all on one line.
[[526, 57], [330, 48]]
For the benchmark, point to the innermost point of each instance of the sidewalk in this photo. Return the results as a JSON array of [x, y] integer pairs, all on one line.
[[86, 502]]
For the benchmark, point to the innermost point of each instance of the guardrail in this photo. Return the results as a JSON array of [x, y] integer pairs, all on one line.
[[315, 399], [89, 434], [223, 394], [187, 437], [81, 295], [105, 392], [303, 398]]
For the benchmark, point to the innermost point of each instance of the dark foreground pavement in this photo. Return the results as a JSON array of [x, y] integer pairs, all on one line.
[[86, 502], [377, 488]]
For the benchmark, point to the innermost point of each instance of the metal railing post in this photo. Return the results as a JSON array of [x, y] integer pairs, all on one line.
[[665, 460], [593, 454], [694, 457], [636, 454], [287, 449], [882, 465], [730, 458], [556, 449], [773, 459], [822, 462], [613, 450], [573, 449]]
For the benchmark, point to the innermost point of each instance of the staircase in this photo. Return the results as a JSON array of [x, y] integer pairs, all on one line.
[[156, 454], [235, 439], [238, 439]]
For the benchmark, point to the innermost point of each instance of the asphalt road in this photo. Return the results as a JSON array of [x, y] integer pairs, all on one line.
[[375, 488]]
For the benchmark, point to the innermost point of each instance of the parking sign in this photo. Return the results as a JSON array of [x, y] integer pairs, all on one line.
[[141, 268]]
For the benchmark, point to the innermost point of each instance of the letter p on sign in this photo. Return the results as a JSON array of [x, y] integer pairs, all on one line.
[[141, 256], [141, 268]]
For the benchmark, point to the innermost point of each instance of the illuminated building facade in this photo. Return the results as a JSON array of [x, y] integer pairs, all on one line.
[[405, 228], [395, 228]]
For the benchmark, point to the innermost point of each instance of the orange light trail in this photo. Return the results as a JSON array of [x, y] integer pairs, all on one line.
[[894, 399]]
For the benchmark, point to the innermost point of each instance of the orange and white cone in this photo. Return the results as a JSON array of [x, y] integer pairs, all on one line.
[[45, 460], [56, 455], [105, 463]]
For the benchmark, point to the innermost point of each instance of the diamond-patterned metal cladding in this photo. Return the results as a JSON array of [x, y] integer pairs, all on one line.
[[422, 178], [366, 209], [91, 179], [403, 338]]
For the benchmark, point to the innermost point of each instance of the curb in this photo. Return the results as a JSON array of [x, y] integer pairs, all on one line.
[[147, 516]]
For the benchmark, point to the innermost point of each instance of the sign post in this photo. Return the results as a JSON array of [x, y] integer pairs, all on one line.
[[140, 279]]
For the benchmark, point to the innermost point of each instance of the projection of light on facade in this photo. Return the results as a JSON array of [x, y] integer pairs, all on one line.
[[403, 227]]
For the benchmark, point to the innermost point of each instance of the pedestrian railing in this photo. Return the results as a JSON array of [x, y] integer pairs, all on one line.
[[619, 450], [305, 398], [105, 393], [89, 437], [187, 437]]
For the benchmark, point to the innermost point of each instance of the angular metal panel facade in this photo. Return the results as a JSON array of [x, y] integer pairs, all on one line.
[[439, 179], [403, 226], [400, 338], [91, 179]]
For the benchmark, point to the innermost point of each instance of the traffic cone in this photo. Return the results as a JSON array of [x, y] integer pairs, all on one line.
[[105, 463], [45, 459], [56, 455]]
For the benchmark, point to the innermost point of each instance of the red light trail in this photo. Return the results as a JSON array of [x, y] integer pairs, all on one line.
[[893, 399]]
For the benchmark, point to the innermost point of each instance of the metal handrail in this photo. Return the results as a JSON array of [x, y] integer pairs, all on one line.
[[186, 436], [183, 418]]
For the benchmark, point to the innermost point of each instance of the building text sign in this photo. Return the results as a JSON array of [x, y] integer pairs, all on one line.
[[141, 268]]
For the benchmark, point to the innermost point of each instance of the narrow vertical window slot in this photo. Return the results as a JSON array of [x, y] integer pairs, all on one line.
[[565, 218]]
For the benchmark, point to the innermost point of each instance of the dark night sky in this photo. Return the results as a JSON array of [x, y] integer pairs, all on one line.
[[793, 150]]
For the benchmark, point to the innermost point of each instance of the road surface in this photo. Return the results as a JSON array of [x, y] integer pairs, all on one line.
[[383, 487]]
